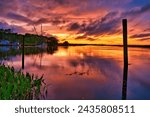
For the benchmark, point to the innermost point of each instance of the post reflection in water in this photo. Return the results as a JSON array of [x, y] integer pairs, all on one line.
[[125, 51], [124, 85], [23, 52]]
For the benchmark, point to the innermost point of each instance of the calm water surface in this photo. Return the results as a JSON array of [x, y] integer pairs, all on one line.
[[85, 72]]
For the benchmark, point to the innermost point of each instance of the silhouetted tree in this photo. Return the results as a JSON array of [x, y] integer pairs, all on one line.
[[66, 43], [30, 39], [52, 41]]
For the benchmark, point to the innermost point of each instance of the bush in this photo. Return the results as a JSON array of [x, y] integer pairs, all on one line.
[[14, 85]]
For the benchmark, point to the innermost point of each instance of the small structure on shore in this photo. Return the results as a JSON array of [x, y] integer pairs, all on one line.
[[15, 43], [9, 43], [4, 42], [66, 43]]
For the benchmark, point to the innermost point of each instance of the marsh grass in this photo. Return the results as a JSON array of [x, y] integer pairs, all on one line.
[[15, 85]]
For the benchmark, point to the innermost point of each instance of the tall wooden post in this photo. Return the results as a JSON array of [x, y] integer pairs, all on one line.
[[125, 41], [23, 52], [125, 51]]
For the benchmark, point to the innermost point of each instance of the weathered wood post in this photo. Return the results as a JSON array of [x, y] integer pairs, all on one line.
[[125, 51], [23, 52]]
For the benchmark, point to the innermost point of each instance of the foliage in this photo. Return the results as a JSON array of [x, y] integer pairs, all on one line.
[[15, 85], [52, 41], [30, 39], [66, 43]]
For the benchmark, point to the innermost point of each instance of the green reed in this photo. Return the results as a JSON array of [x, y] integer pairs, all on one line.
[[15, 85]]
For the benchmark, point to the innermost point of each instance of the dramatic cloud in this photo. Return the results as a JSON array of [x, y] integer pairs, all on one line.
[[84, 37], [68, 18], [108, 24], [18, 17], [141, 35], [137, 10], [74, 26], [14, 28]]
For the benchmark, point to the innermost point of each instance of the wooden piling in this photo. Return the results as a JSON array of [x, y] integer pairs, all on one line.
[[125, 51], [125, 41], [23, 52]]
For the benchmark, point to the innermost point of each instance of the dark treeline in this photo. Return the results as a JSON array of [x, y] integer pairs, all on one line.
[[30, 39], [6, 52]]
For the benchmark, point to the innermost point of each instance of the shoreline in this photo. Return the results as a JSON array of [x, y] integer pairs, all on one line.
[[32, 45], [142, 46]]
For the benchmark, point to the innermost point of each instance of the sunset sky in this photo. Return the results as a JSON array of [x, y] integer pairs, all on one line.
[[79, 21]]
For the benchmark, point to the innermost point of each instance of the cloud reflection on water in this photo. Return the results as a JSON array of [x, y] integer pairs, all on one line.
[[90, 72]]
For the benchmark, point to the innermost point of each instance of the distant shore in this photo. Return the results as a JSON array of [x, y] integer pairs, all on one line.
[[142, 46], [60, 44]]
